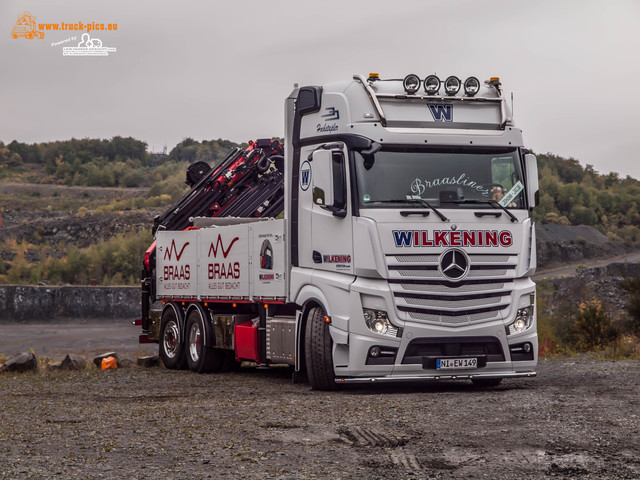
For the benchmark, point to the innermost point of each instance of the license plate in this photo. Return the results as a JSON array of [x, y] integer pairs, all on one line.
[[456, 363]]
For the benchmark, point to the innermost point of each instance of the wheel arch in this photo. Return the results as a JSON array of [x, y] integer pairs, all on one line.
[[179, 313], [209, 333], [307, 306]]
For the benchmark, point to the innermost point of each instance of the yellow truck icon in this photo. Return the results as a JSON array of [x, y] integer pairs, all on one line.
[[26, 27]]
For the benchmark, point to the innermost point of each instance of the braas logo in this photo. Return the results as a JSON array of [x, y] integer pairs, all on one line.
[[173, 250], [175, 272], [219, 245], [441, 113]]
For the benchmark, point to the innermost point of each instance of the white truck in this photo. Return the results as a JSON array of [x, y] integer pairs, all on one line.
[[405, 251]]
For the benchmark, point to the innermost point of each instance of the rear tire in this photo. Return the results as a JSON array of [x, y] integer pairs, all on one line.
[[318, 348], [200, 358], [171, 348]]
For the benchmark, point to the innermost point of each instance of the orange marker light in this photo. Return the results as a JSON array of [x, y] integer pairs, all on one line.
[[327, 319]]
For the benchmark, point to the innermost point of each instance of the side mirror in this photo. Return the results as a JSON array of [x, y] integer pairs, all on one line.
[[531, 170], [329, 182]]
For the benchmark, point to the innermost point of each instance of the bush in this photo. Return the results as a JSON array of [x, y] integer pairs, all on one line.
[[593, 327]]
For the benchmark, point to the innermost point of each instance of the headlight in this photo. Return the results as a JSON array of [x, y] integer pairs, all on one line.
[[411, 84], [452, 85], [471, 86], [431, 85], [378, 322], [524, 319]]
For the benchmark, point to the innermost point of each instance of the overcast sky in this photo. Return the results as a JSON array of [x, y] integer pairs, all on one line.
[[221, 69]]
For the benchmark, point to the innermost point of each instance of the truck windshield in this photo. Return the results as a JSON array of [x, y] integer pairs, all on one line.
[[444, 177]]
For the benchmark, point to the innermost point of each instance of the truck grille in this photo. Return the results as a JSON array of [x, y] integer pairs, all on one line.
[[423, 294]]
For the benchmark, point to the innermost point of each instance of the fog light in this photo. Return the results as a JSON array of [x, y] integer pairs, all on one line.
[[411, 84], [526, 347], [375, 352], [452, 85], [431, 85]]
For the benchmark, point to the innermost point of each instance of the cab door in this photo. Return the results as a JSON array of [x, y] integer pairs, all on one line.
[[325, 177]]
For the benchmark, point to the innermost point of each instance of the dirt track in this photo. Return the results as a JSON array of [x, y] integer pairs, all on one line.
[[578, 419]]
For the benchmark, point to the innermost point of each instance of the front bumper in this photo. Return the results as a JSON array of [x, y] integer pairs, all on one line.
[[435, 377]]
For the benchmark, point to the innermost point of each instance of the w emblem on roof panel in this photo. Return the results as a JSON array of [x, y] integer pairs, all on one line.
[[442, 113]]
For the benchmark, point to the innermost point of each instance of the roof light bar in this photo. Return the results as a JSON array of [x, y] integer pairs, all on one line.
[[452, 85], [411, 84], [431, 85], [471, 86]]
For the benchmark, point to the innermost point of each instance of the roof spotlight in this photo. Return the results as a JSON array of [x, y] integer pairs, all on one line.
[[452, 85], [471, 86], [431, 85], [411, 84]]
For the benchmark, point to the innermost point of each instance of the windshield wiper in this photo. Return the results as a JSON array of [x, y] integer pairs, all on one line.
[[493, 203], [417, 201]]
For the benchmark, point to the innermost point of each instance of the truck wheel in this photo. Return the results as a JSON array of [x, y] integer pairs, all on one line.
[[171, 344], [200, 358], [318, 357]]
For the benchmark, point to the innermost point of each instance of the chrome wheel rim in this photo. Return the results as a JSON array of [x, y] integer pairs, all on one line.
[[171, 339], [194, 342]]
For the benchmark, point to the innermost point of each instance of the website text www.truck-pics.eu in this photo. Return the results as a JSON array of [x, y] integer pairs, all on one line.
[[77, 26]]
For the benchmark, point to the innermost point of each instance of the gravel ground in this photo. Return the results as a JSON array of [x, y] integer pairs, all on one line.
[[579, 418]]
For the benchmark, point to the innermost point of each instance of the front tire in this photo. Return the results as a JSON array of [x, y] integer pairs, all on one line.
[[318, 348], [200, 358], [171, 344]]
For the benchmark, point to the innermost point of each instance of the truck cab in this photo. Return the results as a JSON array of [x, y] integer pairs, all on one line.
[[408, 208]]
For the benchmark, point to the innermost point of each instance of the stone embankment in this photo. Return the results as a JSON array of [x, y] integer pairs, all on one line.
[[42, 304], [561, 245], [602, 283]]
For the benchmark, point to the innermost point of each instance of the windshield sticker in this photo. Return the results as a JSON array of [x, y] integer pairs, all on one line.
[[510, 196], [418, 186]]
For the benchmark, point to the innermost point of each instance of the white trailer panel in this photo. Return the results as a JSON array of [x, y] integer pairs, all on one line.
[[234, 261], [224, 256], [177, 264], [268, 266]]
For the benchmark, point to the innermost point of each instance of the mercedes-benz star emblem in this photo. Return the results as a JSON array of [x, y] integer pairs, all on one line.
[[454, 264]]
